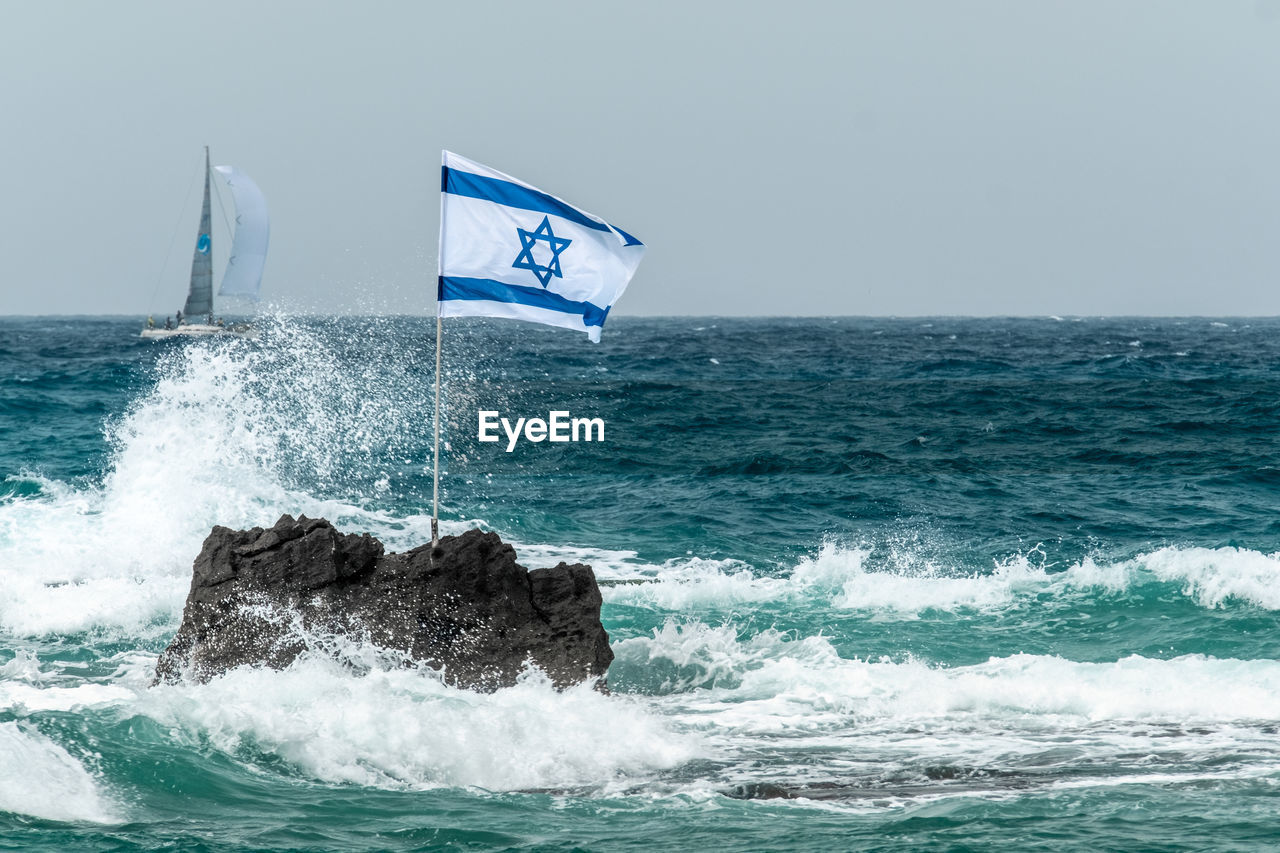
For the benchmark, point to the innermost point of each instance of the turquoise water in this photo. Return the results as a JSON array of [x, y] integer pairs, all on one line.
[[890, 584]]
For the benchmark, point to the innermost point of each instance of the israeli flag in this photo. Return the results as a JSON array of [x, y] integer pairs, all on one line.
[[510, 250]]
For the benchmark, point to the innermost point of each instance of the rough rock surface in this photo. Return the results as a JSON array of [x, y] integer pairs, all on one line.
[[264, 596]]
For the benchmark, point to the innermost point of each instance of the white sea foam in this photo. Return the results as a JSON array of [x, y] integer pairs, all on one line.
[[905, 586], [1212, 577], [795, 706], [374, 719], [403, 727], [806, 678], [40, 778], [1215, 575], [606, 563], [30, 698], [836, 576], [28, 686]]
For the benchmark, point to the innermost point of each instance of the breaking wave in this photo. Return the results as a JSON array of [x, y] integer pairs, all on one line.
[[41, 779], [841, 577]]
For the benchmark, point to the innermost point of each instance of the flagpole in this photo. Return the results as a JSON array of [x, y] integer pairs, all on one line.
[[435, 476], [435, 479]]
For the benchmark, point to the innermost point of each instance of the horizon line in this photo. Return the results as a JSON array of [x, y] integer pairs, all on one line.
[[624, 317]]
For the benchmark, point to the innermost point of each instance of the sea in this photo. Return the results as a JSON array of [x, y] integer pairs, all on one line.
[[890, 584]]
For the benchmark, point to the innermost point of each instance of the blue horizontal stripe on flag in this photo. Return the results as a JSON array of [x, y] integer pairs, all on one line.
[[631, 241], [471, 185], [486, 289]]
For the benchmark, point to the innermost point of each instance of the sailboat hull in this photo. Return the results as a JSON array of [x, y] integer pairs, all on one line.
[[199, 330]]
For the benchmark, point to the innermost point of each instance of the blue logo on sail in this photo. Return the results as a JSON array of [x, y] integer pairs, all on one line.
[[202, 245]]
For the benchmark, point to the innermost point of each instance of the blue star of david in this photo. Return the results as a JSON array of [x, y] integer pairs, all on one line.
[[529, 239]]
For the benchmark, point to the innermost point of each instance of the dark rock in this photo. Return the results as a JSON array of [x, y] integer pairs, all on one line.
[[261, 597], [759, 791]]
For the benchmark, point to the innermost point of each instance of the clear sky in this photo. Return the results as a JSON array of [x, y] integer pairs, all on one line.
[[892, 157]]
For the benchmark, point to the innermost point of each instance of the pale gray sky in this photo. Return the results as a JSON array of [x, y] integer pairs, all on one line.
[[896, 157]]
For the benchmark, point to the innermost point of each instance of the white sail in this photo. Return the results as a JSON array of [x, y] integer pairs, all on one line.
[[253, 229]]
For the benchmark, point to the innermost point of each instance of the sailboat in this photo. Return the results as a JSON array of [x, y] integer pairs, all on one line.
[[243, 275]]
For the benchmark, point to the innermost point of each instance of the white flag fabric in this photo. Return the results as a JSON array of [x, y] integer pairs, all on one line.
[[507, 249]]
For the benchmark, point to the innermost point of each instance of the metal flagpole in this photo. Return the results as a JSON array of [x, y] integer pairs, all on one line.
[[435, 477], [435, 485]]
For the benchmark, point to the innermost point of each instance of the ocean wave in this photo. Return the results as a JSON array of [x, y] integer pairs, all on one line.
[[400, 727], [32, 698], [1216, 576], [837, 576], [777, 708], [762, 681], [41, 779], [701, 708], [904, 586], [352, 713]]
